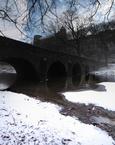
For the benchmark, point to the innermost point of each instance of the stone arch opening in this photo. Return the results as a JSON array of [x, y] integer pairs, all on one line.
[[57, 75], [76, 74], [7, 75], [25, 71]]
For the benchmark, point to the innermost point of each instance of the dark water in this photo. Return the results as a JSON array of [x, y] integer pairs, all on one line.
[[46, 91]]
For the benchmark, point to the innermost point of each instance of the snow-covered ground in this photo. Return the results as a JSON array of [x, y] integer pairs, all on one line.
[[6, 68], [105, 98], [107, 73], [109, 69], [24, 120]]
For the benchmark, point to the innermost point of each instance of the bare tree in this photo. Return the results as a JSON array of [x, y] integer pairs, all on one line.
[[75, 25], [11, 12], [25, 14], [37, 12]]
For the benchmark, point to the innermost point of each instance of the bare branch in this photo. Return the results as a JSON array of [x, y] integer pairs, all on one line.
[[110, 8]]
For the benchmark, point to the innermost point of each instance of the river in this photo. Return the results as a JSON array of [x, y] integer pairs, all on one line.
[[34, 89]]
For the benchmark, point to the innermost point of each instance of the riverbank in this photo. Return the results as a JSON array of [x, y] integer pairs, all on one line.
[[25, 120]]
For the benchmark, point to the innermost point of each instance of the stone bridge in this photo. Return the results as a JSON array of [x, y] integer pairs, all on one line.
[[34, 63]]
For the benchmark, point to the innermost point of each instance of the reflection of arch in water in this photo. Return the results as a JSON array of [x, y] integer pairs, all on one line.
[[76, 74], [43, 68], [57, 75], [87, 73], [24, 69]]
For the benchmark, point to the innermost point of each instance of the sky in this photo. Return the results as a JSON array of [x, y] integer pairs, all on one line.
[[9, 29]]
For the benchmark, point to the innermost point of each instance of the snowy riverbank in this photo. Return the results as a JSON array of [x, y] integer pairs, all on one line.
[[104, 98], [24, 120]]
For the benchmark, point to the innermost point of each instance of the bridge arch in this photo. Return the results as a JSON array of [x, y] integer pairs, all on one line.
[[25, 70], [76, 74], [57, 74]]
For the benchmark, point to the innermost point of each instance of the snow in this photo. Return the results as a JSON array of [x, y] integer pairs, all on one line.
[[24, 120], [105, 99], [107, 72]]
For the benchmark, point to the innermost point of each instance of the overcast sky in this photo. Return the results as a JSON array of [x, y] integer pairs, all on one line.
[[11, 31]]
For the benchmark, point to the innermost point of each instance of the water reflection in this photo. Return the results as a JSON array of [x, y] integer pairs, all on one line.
[[57, 84], [46, 90], [40, 91]]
